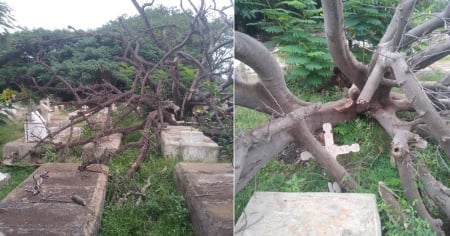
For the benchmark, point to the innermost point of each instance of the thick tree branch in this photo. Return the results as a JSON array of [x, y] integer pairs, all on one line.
[[254, 54], [337, 44], [427, 27], [420, 102], [397, 26], [430, 55]]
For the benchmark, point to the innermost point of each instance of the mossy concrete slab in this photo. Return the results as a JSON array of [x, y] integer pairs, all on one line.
[[69, 203], [315, 214], [188, 144], [208, 192]]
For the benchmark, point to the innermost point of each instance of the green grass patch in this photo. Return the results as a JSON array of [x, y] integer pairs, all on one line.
[[18, 175], [246, 118], [162, 212], [10, 131]]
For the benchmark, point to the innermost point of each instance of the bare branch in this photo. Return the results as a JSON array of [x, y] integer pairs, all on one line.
[[430, 55], [427, 27], [254, 54]]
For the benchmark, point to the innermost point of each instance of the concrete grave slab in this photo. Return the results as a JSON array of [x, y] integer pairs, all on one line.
[[4, 178], [108, 143], [189, 144], [14, 150], [63, 136], [288, 214], [208, 192], [52, 211]]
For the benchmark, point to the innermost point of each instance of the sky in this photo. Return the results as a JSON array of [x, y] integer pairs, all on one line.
[[80, 14]]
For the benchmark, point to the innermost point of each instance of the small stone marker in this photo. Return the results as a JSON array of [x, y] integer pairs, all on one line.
[[332, 148], [4, 178], [69, 202], [289, 214], [208, 191]]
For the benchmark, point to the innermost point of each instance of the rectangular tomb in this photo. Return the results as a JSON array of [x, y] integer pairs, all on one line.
[[70, 202], [208, 192], [324, 214], [189, 144]]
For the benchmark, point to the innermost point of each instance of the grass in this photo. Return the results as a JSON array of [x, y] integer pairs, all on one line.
[[18, 174], [162, 212], [9, 132], [368, 167]]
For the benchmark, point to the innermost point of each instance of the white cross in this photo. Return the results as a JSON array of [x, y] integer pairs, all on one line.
[[332, 148]]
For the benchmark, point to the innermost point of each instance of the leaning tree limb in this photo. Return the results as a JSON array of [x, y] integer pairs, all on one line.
[[255, 55], [430, 55], [437, 21], [420, 102]]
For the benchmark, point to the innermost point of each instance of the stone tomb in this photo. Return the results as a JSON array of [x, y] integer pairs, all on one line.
[[110, 143], [324, 214], [208, 191], [69, 203], [189, 144]]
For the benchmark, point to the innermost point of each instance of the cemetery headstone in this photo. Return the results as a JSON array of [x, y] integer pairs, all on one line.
[[35, 127]]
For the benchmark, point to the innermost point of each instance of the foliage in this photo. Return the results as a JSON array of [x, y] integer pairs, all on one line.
[[365, 23], [87, 57], [297, 30], [50, 155], [6, 20], [7, 95], [413, 224]]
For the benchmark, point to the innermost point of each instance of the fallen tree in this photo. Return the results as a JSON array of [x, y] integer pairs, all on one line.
[[371, 94], [170, 69]]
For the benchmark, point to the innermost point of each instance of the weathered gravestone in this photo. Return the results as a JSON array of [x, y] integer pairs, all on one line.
[[189, 144], [35, 127], [107, 144], [56, 199], [208, 192], [324, 214]]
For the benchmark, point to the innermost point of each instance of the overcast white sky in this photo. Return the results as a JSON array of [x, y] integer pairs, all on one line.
[[81, 14]]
